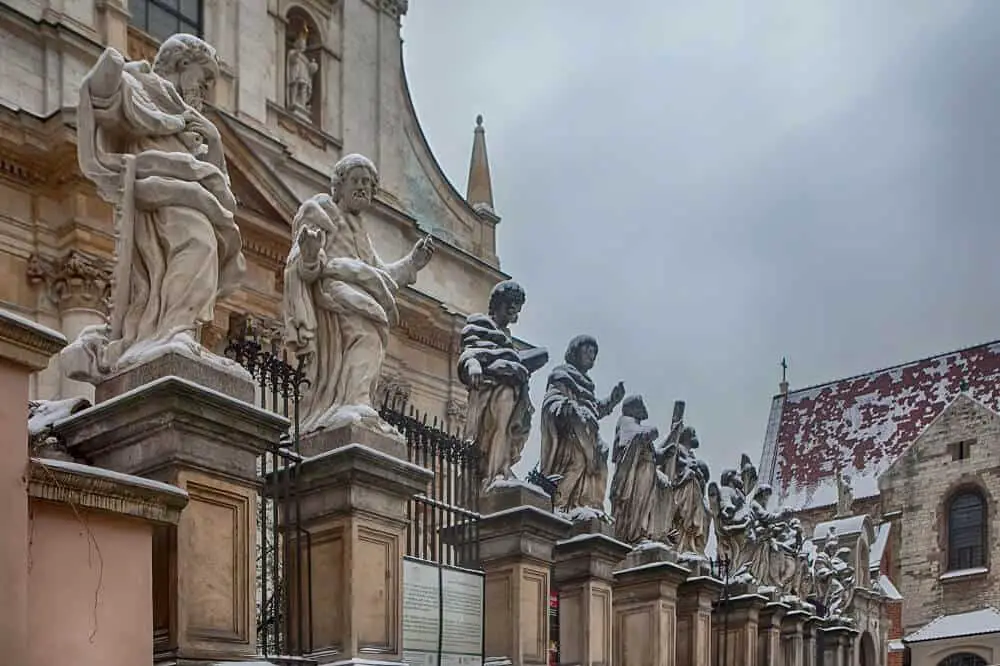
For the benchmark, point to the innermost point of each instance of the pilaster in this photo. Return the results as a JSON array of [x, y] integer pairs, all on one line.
[[696, 598], [769, 634], [736, 622]]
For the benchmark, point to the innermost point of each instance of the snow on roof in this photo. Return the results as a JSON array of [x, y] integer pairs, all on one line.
[[840, 526], [878, 548], [863, 424], [888, 588], [984, 621]]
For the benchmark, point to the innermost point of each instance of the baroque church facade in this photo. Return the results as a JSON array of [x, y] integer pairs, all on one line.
[[905, 462], [301, 84]]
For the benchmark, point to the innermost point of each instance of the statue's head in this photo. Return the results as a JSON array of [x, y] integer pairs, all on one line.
[[763, 494], [302, 39], [582, 352], [689, 437], [354, 182], [506, 301], [634, 406], [730, 478], [190, 64]]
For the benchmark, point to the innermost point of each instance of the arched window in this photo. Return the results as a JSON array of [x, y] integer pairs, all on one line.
[[963, 659], [966, 531], [162, 18]]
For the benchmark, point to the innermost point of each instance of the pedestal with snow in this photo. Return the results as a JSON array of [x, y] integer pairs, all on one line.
[[645, 607], [695, 599], [206, 442], [769, 632], [352, 508], [793, 637], [583, 575], [517, 536], [736, 626]]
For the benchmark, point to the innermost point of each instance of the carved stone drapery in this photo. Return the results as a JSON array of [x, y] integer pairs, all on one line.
[[76, 280]]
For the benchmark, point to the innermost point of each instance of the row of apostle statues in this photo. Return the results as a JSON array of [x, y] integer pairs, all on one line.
[[147, 142]]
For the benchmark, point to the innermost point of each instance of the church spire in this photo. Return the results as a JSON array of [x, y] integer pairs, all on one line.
[[480, 190]]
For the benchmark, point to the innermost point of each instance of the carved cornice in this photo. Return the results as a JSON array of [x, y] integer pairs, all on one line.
[[304, 128], [87, 487], [393, 389], [422, 329], [141, 46], [27, 343], [77, 280], [456, 410], [265, 330], [394, 8]]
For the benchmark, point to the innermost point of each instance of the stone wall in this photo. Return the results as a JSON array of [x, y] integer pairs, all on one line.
[[919, 485]]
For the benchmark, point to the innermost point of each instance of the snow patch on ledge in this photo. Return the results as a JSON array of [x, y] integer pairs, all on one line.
[[514, 482], [117, 477], [46, 412], [963, 573], [33, 326]]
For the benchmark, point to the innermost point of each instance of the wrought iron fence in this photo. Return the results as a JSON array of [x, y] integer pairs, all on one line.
[[443, 523], [282, 544]]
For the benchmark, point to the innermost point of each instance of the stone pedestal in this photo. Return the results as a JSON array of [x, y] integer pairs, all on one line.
[[517, 536], [769, 633], [25, 347], [695, 599], [204, 441], [736, 622], [645, 608], [583, 577], [837, 645], [792, 637], [352, 506], [810, 629]]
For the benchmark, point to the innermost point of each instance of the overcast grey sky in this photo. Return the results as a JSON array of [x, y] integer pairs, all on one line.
[[709, 186]]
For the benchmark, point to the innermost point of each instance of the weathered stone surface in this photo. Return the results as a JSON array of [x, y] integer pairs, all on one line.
[[177, 365], [321, 441], [512, 496], [169, 422]]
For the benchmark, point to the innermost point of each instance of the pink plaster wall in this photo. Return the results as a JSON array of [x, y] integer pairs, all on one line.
[[13, 511], [90, 588]]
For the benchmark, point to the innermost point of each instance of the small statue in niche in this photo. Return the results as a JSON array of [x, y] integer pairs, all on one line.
[[633, 487], [571, 439], [300, 75], [496, 374], [845, 496]]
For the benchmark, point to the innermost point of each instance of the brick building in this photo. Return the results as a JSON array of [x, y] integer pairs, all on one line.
[[915, 447]]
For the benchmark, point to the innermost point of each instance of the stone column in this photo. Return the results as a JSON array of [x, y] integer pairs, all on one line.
[[737, 621], [695, 599], [25, 347], [837, 645], [352, 507], [809, 636], [517, 536], [173, 420], [769, 633], [645, 606], [792, 637], [583, 576]]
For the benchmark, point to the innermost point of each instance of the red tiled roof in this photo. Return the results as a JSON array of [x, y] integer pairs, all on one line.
[[862, 424]]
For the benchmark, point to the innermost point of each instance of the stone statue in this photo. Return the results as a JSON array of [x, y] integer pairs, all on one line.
[[767, 527], [496, 374], [786, 561], [690, 517], [845, 498], [340, 300], [571, 441], [733, 517], [633, 487], [300, 75], [834, 579], [145, 144]]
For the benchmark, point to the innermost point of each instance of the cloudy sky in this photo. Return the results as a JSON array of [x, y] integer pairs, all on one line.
[[709, 186]]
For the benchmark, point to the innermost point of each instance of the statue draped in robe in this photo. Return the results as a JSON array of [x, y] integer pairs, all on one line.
[[633, 487], [145, 144], [690, 518], [300, 74], [571, 442], [496, 374], [340, 301]]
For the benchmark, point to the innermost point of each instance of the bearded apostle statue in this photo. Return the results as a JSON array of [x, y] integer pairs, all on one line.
[[147, 146], [571, 441], [633, 487], [340, 301], [496, 374], [690, 518]]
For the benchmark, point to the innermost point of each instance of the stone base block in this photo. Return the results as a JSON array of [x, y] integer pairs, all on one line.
[[645, 608], [169, 422], [695, 598], [514, 495], [322, 441], [651, 553], [219, 374]]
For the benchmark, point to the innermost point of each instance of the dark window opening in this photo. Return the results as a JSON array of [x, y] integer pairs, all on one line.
[[963, 659], [962, 450], [162, 18], [966, 531]]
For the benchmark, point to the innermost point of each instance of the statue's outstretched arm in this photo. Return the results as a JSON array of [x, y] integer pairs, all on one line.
[[105, 78]]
